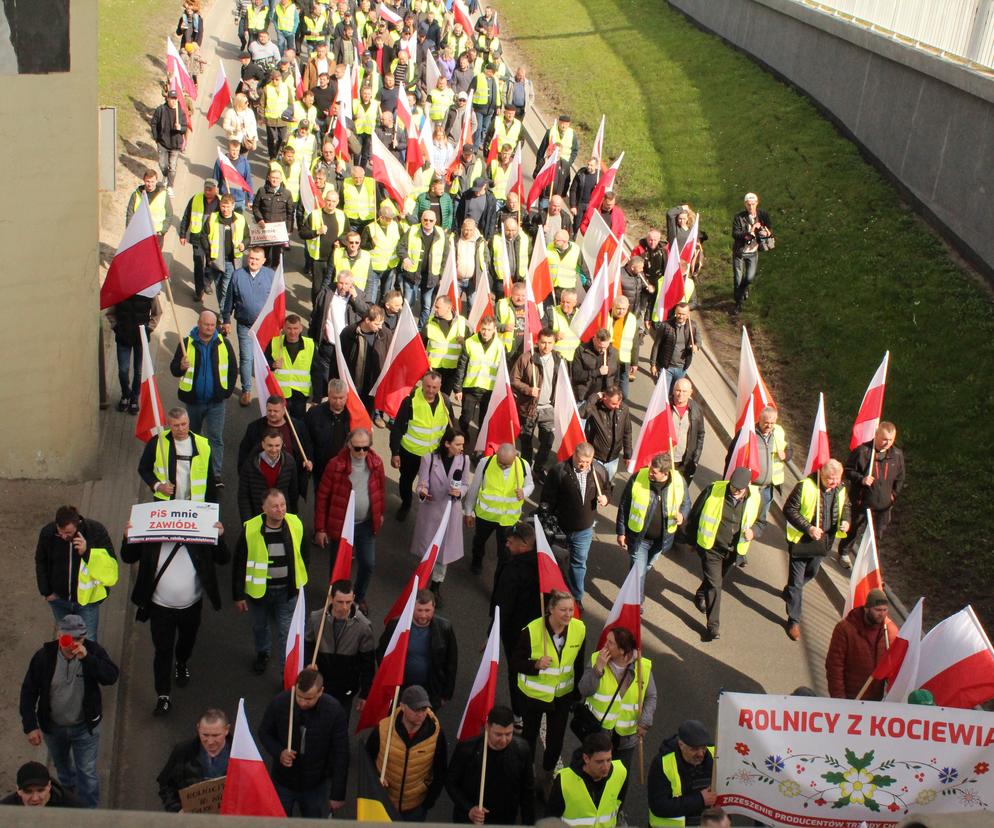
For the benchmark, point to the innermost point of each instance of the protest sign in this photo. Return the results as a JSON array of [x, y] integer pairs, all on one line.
[[203, 797], [173, 520], [273, 233]]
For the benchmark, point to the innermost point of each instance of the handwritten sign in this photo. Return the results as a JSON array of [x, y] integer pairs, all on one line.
[[173, 520], [203, 798], [274, 232]]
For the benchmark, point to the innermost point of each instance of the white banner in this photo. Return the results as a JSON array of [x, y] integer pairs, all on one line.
[[832, 763], [173, 520], [274, 232]]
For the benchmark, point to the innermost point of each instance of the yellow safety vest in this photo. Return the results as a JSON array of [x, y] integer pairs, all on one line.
[[626, 346], [278, 99], [500, 265], [810, 492], [570, 342], [507, 135], [410, 71], [458, 44], [426, 427], [564, 141], [257, 563], [580, 809], [504, 312], [481, 95], [481, 363], [384, 252], [95, 576], [500, 176], [199, 466], [186, 381], [778, 444], [475, 171], [317, 218], [497, 499], [359, 203], [359, 268], [365, 117], [197, 208], [300, 112], [284, 18], [556, 680], [257, 19], [314, 27], [672, 773], [563, 266], [621, 716], [712, 511], [641, 494], [444, 349], [291, 176], [156, 206], [440, 102], [415, 250], [295, 375], [214, 237]]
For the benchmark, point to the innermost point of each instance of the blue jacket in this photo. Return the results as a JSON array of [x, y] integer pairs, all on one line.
[[246, 295], [242, 165]]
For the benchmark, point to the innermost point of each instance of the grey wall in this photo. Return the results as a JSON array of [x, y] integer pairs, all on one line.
[[928, 123]]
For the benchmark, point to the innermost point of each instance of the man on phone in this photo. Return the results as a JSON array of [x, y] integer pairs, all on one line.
[[749, 228]]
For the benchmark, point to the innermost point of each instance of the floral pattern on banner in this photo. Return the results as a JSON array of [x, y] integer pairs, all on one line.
[[891, 786]]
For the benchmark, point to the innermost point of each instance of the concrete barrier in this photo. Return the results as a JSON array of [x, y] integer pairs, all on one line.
[[926, 122]]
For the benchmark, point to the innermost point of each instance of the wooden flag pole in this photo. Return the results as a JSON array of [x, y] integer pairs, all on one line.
[[638, 675], [483, 772], [172, 304], [317, 641], [296, 438], [289, 729], [386, 751], [545, 638]]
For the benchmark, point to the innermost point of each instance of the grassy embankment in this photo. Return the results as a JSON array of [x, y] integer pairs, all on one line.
[[855, 272]]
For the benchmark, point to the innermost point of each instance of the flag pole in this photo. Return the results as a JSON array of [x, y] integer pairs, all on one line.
[[289, 727], [317, 641], [638, 674], [172, 304], [293, 429], [390, 729], [545, 638], [483, 770]]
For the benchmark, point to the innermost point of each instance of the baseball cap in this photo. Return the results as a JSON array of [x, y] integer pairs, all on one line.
[[415, 697], [32, 773], [693, 734]]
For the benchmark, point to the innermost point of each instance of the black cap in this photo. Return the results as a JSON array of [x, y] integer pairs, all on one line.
[[415, 697], [32, 773], [479, 183], [565, 118], [468, 147], [171, 93], [693, 734], [741, 478], [242, 55]]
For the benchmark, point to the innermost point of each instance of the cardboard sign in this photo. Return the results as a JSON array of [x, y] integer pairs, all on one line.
[[202, 798], [174, 520], [273, 233]]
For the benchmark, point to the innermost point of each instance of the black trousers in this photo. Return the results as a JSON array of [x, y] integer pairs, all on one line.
[[448, 379], [545, 438], [881, 519], [556, 718], [474, 409], [484, 529], [174, 632], [715, 564], [409, 465]]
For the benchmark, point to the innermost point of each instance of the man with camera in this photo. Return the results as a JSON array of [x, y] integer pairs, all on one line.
[[751, 232]]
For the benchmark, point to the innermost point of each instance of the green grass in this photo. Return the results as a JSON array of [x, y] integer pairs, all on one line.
[[855, 272]]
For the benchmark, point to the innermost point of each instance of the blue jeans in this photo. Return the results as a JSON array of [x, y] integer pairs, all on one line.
[[274, 604], [801, 570], [129, 370], [90, 613], [207, 419], [675, 374], [743, 274], [412, 292], [766, 496], [483, 121], [245, 357], [77, 773], [313, 803], [644, 554], [623, 380], [285, 40], [364, 554], [387, 279], [579, 547], [467, 290], [611, 467], [372, 289], [222, 280]]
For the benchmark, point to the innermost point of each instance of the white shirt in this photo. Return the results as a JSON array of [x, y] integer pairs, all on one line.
[[179, 587], [184, 449]]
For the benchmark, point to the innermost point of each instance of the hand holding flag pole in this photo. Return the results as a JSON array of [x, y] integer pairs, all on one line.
[[390, 730]]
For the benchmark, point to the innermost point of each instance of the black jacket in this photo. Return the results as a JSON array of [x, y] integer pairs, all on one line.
[[509, 787], [556, 806], [324, 730], [146, 467], [164, 131], [355, 311], [585, 370], [372, 358], [348, 662], [205, 557], [690, 803], [488, 220], [561, 495], [53, 555], [516, 591], [181, 770], [695, 440], [609, 432], [444, 659], [252, 486], [252, 441], [128, 316], [741, 234], [327, 432], [59, 797], [581, 189], [273, 205], [220, 394], [240, 561], [888, 476], [806, 546], [665, 343], [98, 670]]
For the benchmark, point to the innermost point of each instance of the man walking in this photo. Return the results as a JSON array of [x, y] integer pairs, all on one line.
[[198, 211], [750, 229], [688, 417], [250, 286], [533, 383], [176, 465], [222, 238], [194, 760], [169, 128], [608, 428], [495, 500]]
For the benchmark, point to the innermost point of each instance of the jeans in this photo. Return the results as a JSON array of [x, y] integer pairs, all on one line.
[[275, 139], [199, 266], [743, 274], [675, 374], [546, 436], [467, 290], [474, 408], [222, 281], [611, 467], [387, 279], [78, 773], [207, 419], [881, 520], [644, 554], [483, 530], [174, 632], [800, 572], [364, 554], [313, 803], [483, 120], [90, 613], [372, 289], [129, 361], [766, 501], [245, 356], [285, 40], [414, 291], [579, 547], [556, 719], [623, 381], [276, 603], [168, 161]]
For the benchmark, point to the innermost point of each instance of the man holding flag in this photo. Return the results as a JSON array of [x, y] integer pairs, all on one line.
[[125, 319], [245, 299], [859, 642]]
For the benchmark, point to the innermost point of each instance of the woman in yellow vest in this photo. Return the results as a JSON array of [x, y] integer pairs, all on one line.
[[592, 773], [548, 660]]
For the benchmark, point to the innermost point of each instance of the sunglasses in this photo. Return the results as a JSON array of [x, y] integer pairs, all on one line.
[[359, 448]]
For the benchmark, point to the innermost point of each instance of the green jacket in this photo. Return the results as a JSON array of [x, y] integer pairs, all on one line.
[[444, 202]]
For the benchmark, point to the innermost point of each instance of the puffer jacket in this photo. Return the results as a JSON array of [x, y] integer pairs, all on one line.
[[335, 488], [854, 653]]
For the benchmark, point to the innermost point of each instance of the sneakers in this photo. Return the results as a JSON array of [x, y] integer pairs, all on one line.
[[741, 562], [701, 603], [122, 406], [845, 561], [260, 663], [379, 422], [182, 674], [162, 706], [133, 407], [710, 635], [208, 288]]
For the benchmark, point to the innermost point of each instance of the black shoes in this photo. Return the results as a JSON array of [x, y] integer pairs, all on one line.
[[700, 603], [182, 674], [402, 512], [260, 663], [710, 635], [133, 407], [122, 406], [162, 706]]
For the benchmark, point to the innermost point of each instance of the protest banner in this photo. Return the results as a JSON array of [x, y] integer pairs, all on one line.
[[173, 520], [202, 797], [833, 763], [274, 232]]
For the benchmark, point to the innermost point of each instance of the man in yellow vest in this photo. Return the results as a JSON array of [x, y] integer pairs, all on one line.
[[721, 523], [267, 571], [679, 782], [158, 203], [359, 262], [562, 318], [624, 337], [476, 374], [277, 109], [198, 211], [562, 135], [291, 355], [323, 232], [422, 251], [176, 464], [443, 337], [222, 238], [381, 238], [485, 95], [589, 790], [359, 199], [367, 114], [817, 512]]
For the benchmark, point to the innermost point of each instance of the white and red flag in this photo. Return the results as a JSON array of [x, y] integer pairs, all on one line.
[[866, 574], [175, 68], [138, 262], [871, 408], [481, 696], [221, 96], [658, 433], [389, 16], [390, 674], [539, 275], [745, 452], [566, 424], [248, 789], [344, 95], [515, 175], [500, 424], [176, 85], [670, 291], [899, 666], [340, 139], [550, 576], [594, 312], [543, 179], [461, 14], [406, 362], [432, 72], [957, 662], [266, 384], [751, 385], [269, 323], [690, 245], [150, 412], [310, 195], [422, 573], [230, 174], [818, 451], [342, 570], [358, 415], [483, 302], [533, 319], [465, 137], [599, 243], [390, 173], [294, 662], [449, 283], [605, 185], [626, 612], [597, 151]]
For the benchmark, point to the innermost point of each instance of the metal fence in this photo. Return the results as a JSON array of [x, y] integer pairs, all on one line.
[[958, 30]]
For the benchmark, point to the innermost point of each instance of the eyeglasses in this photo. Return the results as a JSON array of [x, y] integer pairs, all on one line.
[[359, 448]]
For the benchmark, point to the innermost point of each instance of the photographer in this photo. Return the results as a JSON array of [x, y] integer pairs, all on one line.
[[751, 232]]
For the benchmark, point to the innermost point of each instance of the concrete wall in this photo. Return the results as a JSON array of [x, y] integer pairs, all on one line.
[[928, 123], [48, 278]]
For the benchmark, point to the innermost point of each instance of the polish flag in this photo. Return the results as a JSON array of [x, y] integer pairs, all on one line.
[[264, 378], [505, 262], [481, 696], [432, 72], [866, 573], [269, 322], [310, 195], [598, 148], [344, 94], [138, 262], [957, 662], [483, 302], [493, 150], [390, 17], [627, 609], [340, 139], [342, 570], [176, 84], [501, 424], [689, 246], [516, 183], [230, 174], [539, 276], [751, 385], [533, 319], [294, 662], [390, 674], [543, 179], [406, 362], [566, 428], [550, 576], [658, 433], [465, 137], [606, 184], [358, 415], [150, 412], [248, 790], [461, 14], [870, 410], [449, 283], [405, 115], [670, 291], [422, 573], [745, 452], [599, 243], [818, 451], [389, 172], [594, 312], [220, 98], [176, 69], [899, 666]]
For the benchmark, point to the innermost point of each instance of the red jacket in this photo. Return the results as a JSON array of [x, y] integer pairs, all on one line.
[[335, 488], [854, 653]]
